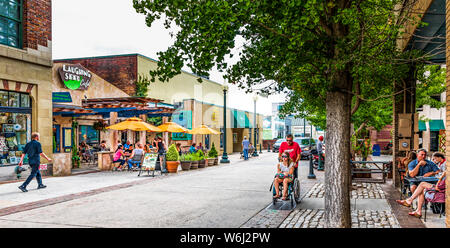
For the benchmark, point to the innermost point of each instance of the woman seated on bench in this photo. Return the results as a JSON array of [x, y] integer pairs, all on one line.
[[285, 174], [420, 194]]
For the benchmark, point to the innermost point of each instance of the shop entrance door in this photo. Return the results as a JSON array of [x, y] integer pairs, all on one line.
[[434, 141], [56, 138]]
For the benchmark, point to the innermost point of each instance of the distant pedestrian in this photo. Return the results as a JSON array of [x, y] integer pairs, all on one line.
[[34, 150], [245, 146]]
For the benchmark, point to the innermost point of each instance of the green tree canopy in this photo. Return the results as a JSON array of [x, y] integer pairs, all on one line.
[[336, 54]]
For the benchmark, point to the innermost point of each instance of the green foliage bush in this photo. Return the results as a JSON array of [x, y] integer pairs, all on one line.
[[213, 152], [200, 155], [172, 153]]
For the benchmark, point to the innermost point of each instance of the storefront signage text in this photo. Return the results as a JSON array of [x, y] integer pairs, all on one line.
[[75, 77], [61, 97]]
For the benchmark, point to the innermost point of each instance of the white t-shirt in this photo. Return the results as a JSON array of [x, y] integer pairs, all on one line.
[[285, 168]]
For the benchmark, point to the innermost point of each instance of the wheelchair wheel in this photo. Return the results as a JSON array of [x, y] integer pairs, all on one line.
[[296, 193]]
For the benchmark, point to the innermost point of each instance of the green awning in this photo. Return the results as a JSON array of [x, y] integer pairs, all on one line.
[[240, 120], [436, 125], [422, 126]]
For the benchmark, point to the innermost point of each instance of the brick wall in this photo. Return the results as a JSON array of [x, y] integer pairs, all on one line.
[[121, 71], [37, 23]]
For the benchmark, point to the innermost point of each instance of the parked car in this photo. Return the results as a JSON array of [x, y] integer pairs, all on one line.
[[306, 144], [276, 146]]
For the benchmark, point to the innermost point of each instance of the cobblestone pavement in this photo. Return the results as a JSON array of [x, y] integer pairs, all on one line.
[[360, 191], [313, 218]]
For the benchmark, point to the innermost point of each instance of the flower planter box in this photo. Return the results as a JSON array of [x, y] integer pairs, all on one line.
[[172, 166], [216, 161], [210, 161], [202, 164], [194, 165], [186, 165]]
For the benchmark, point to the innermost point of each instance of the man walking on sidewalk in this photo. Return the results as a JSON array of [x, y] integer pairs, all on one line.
[[245, 145], [34, 150]]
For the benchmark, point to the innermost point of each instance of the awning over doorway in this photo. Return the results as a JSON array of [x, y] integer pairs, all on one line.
[[436, 125], [240, 119], [422, 126]]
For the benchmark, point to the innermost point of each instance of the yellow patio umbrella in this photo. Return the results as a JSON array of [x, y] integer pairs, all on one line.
[[203, 129], [134, 124], [172, 127]]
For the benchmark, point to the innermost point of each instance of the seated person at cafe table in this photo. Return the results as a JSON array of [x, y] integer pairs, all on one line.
[[136, 155], [421, 193], [118, 155], [439, 160], [103, 146], [128, 146], [421, 167], [192, 149]]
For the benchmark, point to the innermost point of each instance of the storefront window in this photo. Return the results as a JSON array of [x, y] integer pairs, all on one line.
[[4, 98], [14, 135], [10, 23], [25, 101], [14, 99], [89, 135]]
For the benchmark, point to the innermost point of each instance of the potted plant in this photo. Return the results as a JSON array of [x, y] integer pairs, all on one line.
[[201, 157], [172, 159], [185, 161], [194, 161], [214, 154], [210, 160]]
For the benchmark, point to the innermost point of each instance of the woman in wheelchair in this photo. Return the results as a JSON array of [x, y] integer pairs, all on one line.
[[285, 175]]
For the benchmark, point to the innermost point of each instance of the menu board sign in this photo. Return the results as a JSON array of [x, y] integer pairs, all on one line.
[[75, 77]]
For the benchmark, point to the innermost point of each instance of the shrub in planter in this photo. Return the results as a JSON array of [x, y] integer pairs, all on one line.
[[185, 161], [201, 159], [172, 159], [213, 154], [194, 161]]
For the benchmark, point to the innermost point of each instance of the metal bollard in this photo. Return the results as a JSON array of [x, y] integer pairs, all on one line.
[[268, 147], [260, 148], [311, 169]]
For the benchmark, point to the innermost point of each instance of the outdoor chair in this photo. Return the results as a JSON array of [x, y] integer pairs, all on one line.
[[113, 164], [437, 204]]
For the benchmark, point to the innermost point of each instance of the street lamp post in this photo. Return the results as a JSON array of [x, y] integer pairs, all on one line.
[[255, 152], [224, 159]]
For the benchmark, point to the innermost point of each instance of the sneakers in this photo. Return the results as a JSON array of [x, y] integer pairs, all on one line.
[[42, 186], [21, 187]]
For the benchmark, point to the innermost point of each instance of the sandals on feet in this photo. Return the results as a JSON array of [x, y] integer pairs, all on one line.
[[415, 214], [403, 202]]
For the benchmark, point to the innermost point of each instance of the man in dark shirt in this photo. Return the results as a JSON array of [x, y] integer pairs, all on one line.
[[34, 150]]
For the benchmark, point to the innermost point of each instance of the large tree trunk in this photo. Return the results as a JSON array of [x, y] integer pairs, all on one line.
[[337, 164]]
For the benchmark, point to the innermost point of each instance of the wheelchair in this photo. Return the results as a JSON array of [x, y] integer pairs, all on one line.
[[293, 193]]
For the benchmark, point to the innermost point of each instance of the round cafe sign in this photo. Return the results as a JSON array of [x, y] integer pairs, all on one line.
[[75, 77]]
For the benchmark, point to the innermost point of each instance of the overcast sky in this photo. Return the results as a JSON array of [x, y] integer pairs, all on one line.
[[86, 28]]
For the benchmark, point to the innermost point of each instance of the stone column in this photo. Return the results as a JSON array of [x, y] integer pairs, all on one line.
[[447, 131], [114, 134], [143, 134]]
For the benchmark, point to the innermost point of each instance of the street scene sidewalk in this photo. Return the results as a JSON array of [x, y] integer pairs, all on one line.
[[216, 196], [372, 206]]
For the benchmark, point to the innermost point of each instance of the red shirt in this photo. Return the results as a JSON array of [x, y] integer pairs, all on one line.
[[294, 150]]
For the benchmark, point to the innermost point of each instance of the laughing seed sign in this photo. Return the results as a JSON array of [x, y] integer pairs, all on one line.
[[75, 77]]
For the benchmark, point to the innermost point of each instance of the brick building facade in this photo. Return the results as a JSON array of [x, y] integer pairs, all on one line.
[[120, 70], [25, 77]]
